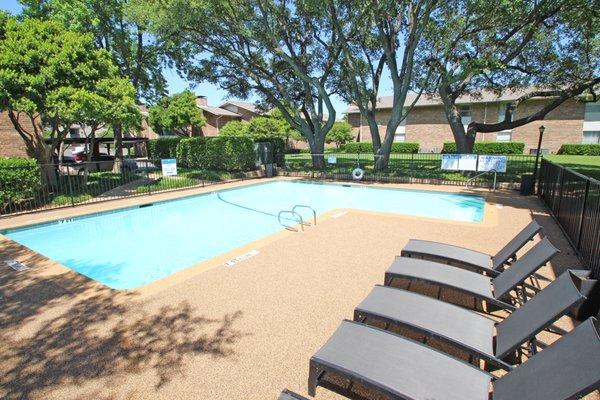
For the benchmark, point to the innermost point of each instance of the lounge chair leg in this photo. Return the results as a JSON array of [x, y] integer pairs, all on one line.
[[314, 374]]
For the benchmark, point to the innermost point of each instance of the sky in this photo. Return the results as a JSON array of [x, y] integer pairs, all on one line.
[[214, 94]]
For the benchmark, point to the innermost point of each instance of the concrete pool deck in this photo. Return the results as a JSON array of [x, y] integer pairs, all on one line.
[[241, 332]]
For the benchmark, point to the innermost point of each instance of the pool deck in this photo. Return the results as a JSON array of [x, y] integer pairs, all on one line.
[[214, 331]]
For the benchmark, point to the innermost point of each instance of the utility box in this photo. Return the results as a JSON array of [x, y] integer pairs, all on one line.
[[527, 183]]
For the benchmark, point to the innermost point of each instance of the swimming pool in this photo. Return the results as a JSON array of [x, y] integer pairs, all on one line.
[[132, 247]]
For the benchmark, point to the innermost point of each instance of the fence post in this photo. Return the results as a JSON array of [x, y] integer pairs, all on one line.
[[560, 192], [412, 167], [70, 185], [582, 218]]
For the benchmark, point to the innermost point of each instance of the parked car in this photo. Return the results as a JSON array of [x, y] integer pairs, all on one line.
[[82, 156]]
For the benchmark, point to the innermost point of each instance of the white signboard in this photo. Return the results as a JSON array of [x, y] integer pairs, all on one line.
[[332, 159], [169, 166], [467, 162], [488, 163], [450, 162], [459, 162]]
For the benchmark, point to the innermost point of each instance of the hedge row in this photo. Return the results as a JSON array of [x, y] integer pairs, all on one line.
[[367, 147], [489, 147], [580, 149], [19, 179], [217, 153], [164, 147]]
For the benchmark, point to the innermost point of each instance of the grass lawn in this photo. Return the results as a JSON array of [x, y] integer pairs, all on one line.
[[188, 177], [586, 165], [82, 190]]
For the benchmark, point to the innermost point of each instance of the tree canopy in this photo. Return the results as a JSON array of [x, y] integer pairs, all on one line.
[[340, 134], [177, 113], [282, 51], [477, 45], [376, 38], [51, 77], [119, 27]]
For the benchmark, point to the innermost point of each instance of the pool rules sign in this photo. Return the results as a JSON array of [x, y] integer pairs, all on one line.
[[169, 166]]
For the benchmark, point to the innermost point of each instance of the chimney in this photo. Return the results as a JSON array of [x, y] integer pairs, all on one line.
[[201, 101]]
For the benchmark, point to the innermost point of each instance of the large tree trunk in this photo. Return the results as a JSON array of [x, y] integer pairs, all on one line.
[[317, 148], [464, 141], [117, 129], [382, 155]]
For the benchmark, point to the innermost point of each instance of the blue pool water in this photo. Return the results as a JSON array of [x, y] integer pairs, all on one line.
[[133, 247]]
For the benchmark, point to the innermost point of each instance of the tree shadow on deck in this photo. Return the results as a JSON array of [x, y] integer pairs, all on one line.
[[64, 330]]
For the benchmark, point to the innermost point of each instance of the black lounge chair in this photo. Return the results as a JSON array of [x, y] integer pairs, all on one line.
[[469, 331], [288, 395], [401, 368], [492, 290], [467, 258]]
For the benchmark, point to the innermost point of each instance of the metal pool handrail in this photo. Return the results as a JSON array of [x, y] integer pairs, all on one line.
[[481, 174], [298, 219], [310, 208]]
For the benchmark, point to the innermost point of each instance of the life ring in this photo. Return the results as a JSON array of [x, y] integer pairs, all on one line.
[[358, 174]]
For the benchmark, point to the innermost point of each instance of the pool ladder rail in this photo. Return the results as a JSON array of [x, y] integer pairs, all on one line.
[[491, 171], [297, 217]]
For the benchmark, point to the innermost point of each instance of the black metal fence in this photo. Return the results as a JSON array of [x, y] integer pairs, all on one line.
[[574, 200], [404, 168], [29, 189]]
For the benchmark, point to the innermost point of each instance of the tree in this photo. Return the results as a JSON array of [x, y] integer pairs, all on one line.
[[481, 46], [177, 113], [234, 128], [51, 77], [289, 132], [119, 27], [282, 51], [340, 134], [377, 37], [260, 128]]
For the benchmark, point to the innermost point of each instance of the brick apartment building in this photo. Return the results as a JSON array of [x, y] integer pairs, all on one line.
[[573, 122], [216, 117], [12, 145]]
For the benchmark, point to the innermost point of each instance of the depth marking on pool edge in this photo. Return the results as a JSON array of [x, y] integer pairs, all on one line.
[[241, 258], [16, 265]]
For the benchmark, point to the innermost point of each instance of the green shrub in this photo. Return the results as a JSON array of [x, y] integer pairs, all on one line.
[[367, 147], [234, 128], [580, 149], [489, 147], [218, 153], [164, 147], [340, 134], [405, 147], [19, 180]]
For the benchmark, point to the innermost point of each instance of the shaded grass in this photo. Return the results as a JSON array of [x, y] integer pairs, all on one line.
[[78, 190], [166, 183], [419, 166], [210, 175]]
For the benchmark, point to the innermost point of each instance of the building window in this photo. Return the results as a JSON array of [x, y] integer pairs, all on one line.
[[591, 120], [504, 136], [592, 112], [465, 114], [591, 137], [400, 134]]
